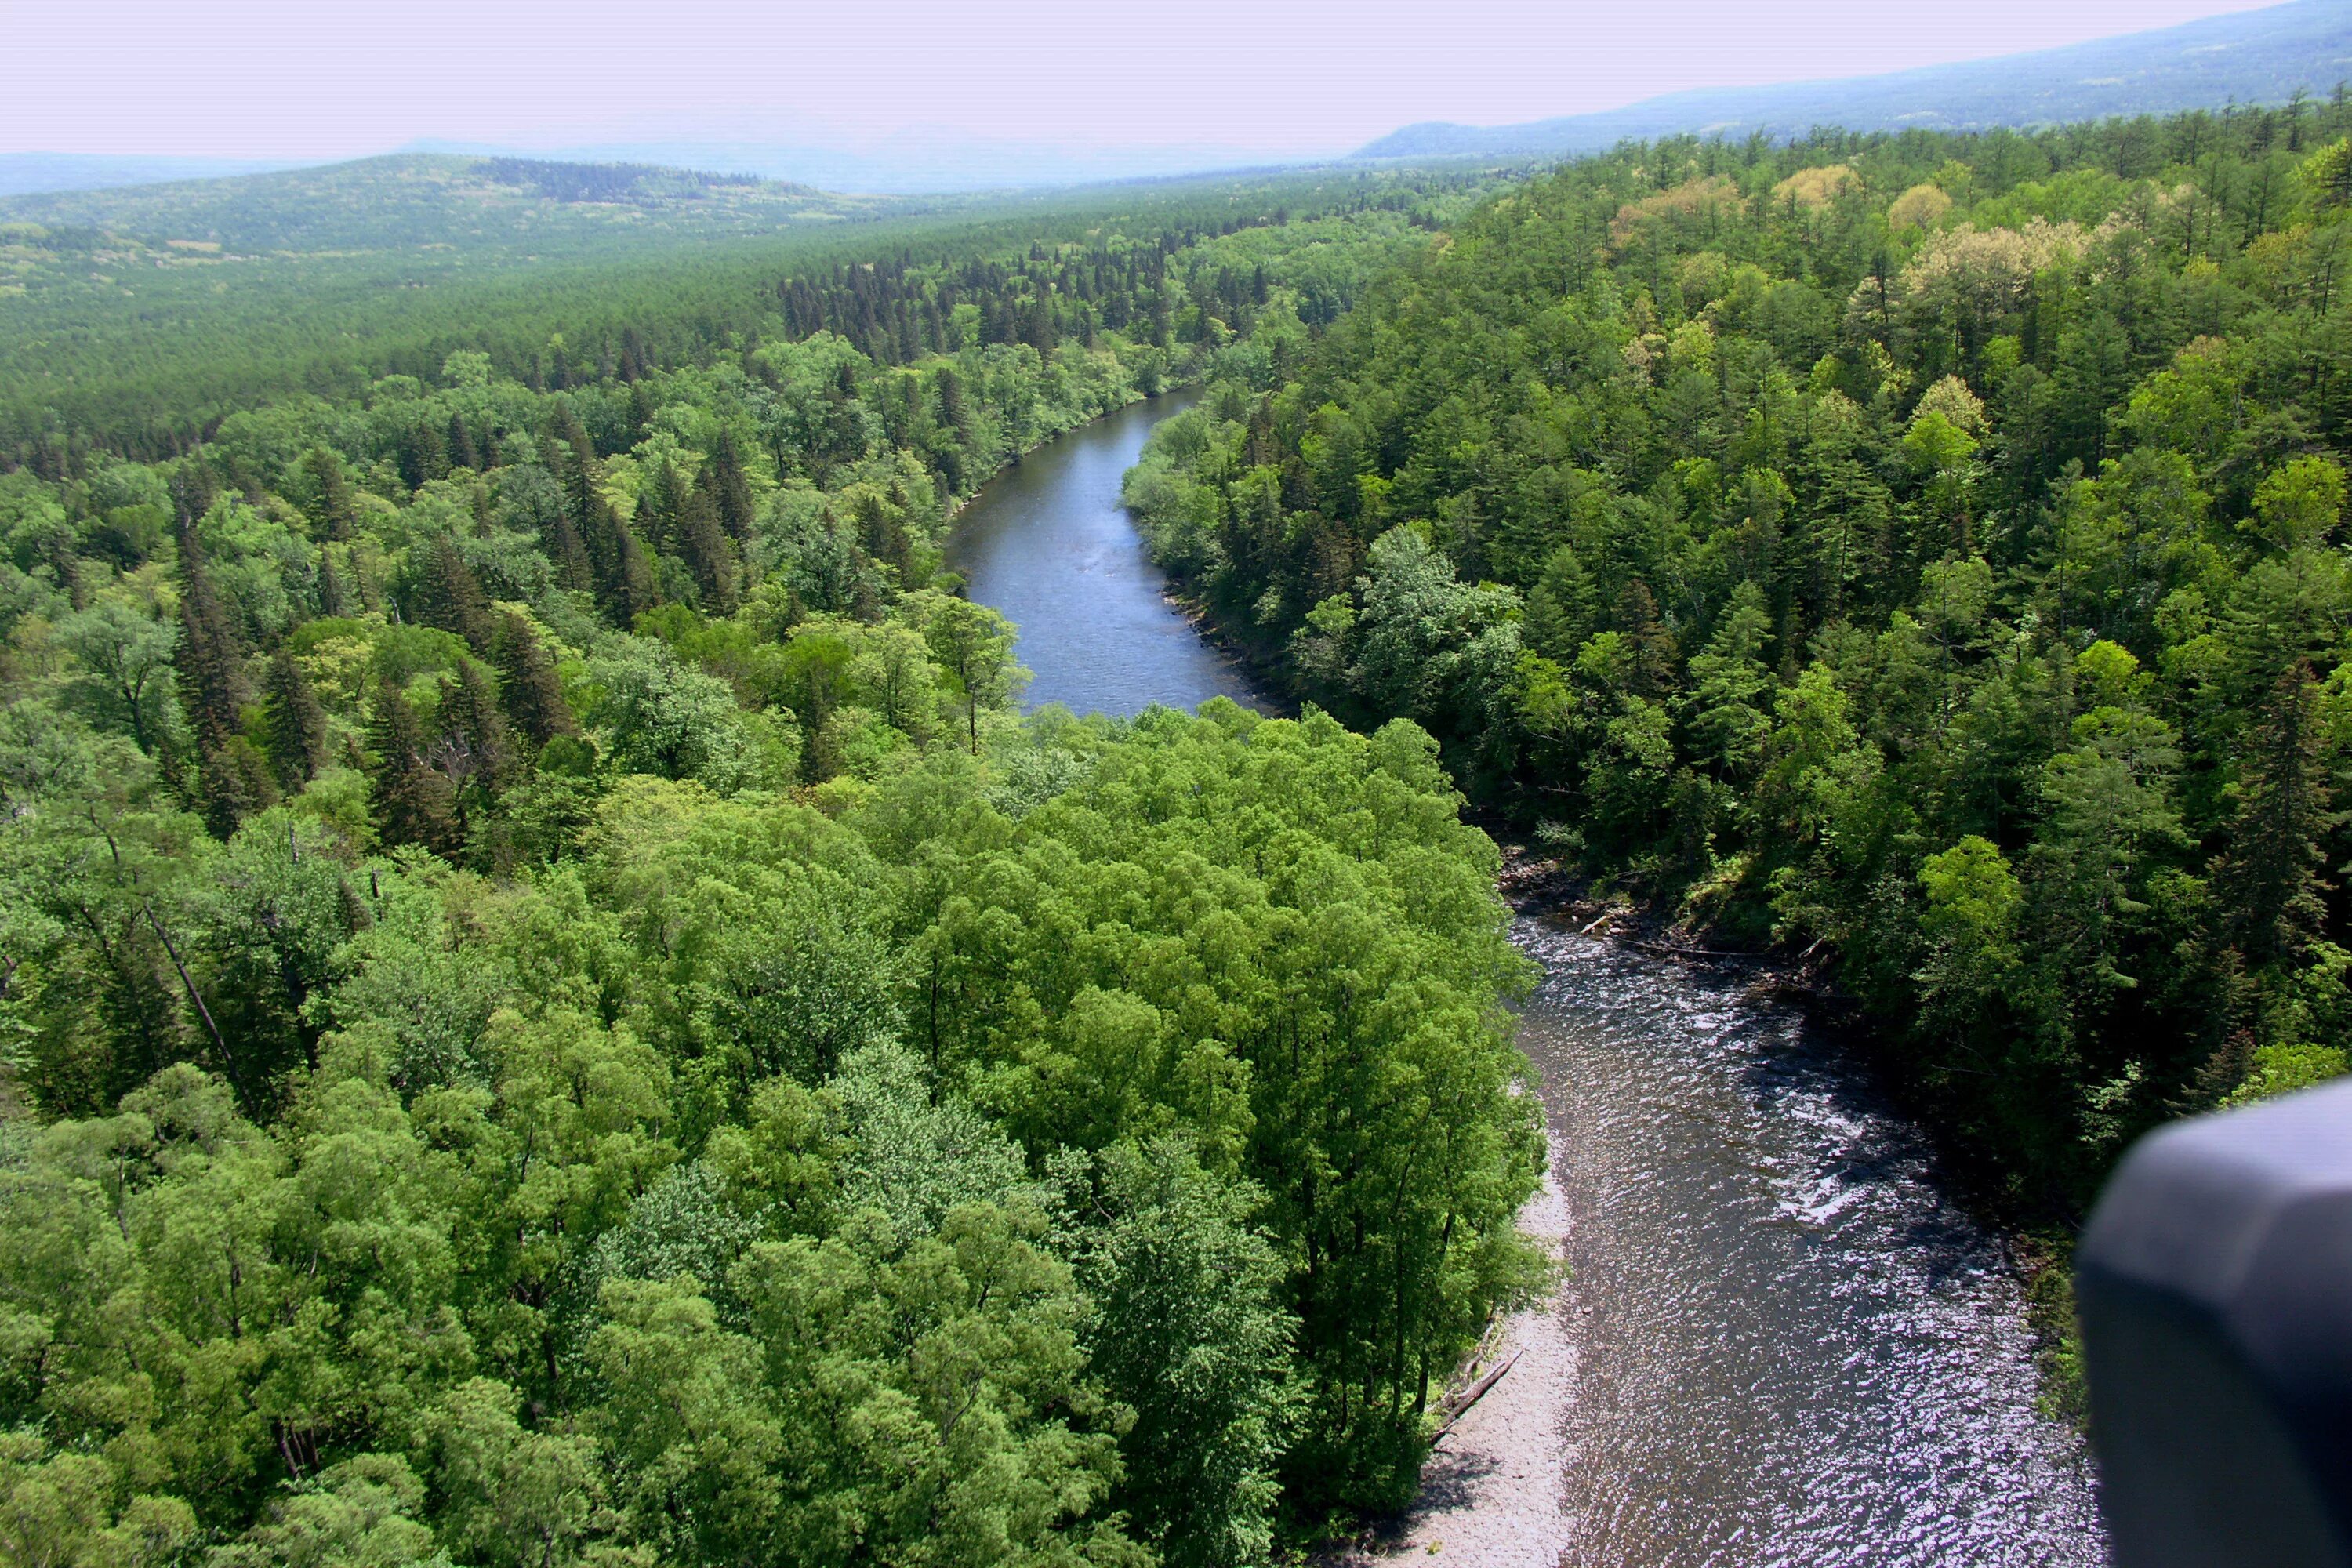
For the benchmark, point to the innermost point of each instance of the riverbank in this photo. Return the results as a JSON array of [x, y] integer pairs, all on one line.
[[1491, 1491], [1780, 1337], [2038, 1245], [1049, 544], [1783, 1336]]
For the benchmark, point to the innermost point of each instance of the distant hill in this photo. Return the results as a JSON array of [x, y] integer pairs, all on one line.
[[215, 267], [2252, 57], [417, 204], [916, 161]]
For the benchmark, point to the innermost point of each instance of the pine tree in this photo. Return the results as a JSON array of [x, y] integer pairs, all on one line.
[[2269, 881], [194, 490], [657, 508], [704, 546], [424, 455], [450, 597], [733, 489], [415, 803], [300, 737], [234, 783], [212, 653], [528, 686], [470, 708], [1651, 643], [624, 582], [616, 570], [471, 753], [330, 586], [463, 453]]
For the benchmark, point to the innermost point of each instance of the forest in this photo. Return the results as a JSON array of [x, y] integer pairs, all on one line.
[[553, 1009], [133, 321], [1922, 554]]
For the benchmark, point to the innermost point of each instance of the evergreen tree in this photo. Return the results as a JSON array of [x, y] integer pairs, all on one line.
[[625, 579], [415, 801], [334, 512], [212, 653], [424, 455], [233, 782], [657, 509], [299, 739], [1651, 671], [703, 543], [330, 585], [732, 489], [528, 686], [450, 597], [2271, 880], [470, 708], [463, 453]]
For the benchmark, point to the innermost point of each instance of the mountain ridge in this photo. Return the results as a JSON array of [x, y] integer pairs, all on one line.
[[2247, 57]]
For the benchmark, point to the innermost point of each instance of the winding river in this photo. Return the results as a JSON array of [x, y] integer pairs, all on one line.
[[1048, 542], [1786, 1344]]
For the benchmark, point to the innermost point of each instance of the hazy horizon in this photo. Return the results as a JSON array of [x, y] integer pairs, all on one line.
[[1222, 82]]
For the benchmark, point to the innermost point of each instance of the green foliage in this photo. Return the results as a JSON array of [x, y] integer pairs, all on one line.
[[552, 1011], [758, 1185], [1924, 550]]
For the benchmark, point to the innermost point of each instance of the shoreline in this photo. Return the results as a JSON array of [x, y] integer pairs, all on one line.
[[1493, 1488]]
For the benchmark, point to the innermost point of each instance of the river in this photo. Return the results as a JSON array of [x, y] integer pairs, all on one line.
[[1048, 542], [1784, 1344]]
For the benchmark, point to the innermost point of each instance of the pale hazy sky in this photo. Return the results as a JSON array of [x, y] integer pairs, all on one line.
[[330, 78]]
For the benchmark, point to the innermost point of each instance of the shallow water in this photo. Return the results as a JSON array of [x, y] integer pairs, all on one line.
[[1793, 1346], [1048, 544]]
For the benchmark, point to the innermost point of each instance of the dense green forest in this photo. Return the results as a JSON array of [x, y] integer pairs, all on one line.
[[1922, 552], [133, 321], [554, 1010]]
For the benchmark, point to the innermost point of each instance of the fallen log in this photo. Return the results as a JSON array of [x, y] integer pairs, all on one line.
[[1475, 1392]]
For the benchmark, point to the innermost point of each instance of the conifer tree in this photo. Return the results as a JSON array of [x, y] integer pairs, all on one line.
[[193, 489], [528, 684], [450, 597], [732, 489], [657, 508], [424, 455], [2269, 881], [470, 708], [415, 803], [335, 511], [332, 601], [299, 738], [1652, 645], [234, 783], [212, 653], [463, 453], [704, 546], [625, 579]]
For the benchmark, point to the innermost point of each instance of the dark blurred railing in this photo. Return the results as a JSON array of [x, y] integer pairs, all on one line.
[[2215, 1283]]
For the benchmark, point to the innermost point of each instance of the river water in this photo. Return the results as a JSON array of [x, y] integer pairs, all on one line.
[[1048, 544], [1792, 1348]]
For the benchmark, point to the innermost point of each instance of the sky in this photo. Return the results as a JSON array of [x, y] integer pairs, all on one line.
[[326, 78]]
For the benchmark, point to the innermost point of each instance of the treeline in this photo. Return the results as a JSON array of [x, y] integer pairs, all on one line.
[[1183, 284], [1924, 551], [627, 182], [552, 1011], [150, 369]]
